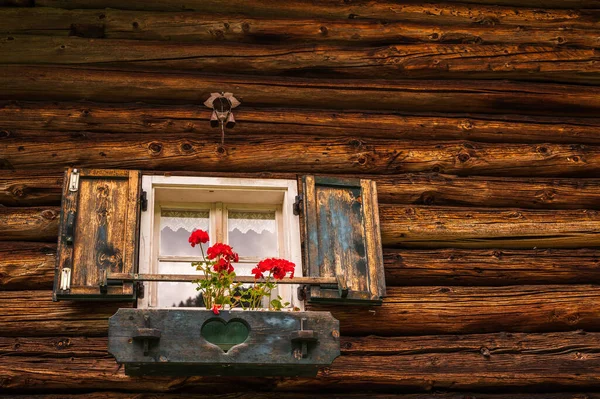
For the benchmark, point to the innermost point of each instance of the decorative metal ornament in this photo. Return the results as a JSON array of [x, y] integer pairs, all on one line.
[[222, 104]]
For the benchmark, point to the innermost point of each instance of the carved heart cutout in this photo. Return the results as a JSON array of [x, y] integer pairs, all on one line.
[[224, 334]]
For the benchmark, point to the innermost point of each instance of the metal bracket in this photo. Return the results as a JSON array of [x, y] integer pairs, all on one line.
[[65, 279], [70, 228], [74, 180], [298, 205], [103, 282], [302, 338], [146, 335], [139, 289], [144, 201]]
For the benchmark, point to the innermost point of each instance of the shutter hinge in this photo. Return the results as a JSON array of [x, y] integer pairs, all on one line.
[[65, 279], [298, 205], [74, 180], [144, 201], [139, 289]]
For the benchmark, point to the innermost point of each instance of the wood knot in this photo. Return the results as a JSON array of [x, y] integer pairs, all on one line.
[[219, 34], [444, 290], [226, 26], [434, 36], [463, 157], [19, 191], [10, 38], [542, 150], [85, 113], [485, 352], [466, 125], [427, 198], [63, 343], [347, 345], [135, 25], [221, 150], [101, 16], [186, 147], [324, 31], [361, 160], [355, 143], [352, 16], [436, 169], [48, 214], [246, 27], [155, 148], [574, 158], [468, 146], [497, 254], [5, 134]]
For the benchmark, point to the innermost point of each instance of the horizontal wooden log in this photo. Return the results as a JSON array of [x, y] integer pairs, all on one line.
[[30, 189], [383, 9], [568, 360], [26, 265], [492, 267], [564, 28], [30, 266], [571, 30], [301, 395], [406, 226], [104, 85], [459, 310], [203, 152], [140, 118], [405, 311], [439, 227], [29, 224], [438, 61]]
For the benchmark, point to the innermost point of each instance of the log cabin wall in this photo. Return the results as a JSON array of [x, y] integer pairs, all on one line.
[[479, 121]]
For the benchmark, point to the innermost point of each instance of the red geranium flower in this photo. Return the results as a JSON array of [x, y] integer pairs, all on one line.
[[258, 273], [277, 267], [222, 250], [222, 265], [215, 309], [197, 237]]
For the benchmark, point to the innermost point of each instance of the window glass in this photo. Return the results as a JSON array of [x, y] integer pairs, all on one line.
[[253, 233], [175, 229], [177, 294]]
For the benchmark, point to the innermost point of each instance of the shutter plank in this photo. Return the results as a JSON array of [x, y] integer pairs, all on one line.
[[104, 212], [342, 239]]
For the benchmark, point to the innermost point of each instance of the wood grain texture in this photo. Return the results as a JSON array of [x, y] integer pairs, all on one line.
[[484, 25], [406, 226], [163, 119], [469, 11], [493, 267], [302, 395], [405, 311], [29, 224], [33, 189], [506, 361], [422, 61], [30, 266], [26, 265], [202, 152], [441, 227], [107, 85]]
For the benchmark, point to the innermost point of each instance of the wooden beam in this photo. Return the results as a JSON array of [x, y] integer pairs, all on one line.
[[203, 152], [405, 311], [493, 267], [29, 224], [163, 119], [406, 226], [21, 82], [483, 361], [386, 9], [444, 227], [418, 24], [419, 61], [27, 265], [30, 189], [302, 395], [30, 266]]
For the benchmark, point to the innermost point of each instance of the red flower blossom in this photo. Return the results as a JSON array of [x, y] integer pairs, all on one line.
[[222, 250], [197, 237], [277, 267], [223, 265], [215, 309]]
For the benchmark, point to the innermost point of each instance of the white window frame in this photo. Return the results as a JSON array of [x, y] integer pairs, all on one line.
[[285, 192]]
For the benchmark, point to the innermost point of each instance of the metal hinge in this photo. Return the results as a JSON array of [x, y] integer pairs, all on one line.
[[144, 201], [139, 289], [74, 180], [65, 279], [298, 205]]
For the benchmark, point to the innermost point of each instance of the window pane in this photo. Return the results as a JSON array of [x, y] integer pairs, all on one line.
[[176, 227], [182, 294], [253, 233]]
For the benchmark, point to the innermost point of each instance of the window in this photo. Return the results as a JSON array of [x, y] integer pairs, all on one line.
[[254, 216]]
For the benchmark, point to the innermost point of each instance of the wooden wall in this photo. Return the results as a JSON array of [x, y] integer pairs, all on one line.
[[479, 120]]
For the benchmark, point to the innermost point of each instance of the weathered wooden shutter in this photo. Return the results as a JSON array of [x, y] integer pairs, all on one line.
[[342, 240], [98, 233]]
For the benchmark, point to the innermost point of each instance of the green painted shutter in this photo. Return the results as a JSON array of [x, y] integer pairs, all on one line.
[[98, 233], [342, 239]]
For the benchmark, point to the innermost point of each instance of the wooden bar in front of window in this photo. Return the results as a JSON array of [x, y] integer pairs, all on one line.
[[195, 277]]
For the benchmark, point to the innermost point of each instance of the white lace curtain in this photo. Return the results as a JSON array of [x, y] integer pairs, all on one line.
[[244, 221]]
